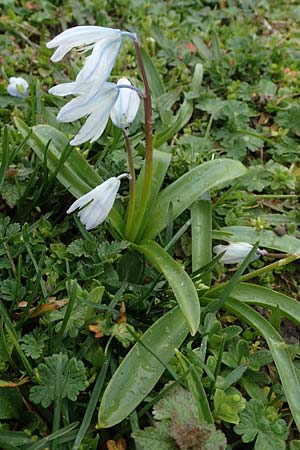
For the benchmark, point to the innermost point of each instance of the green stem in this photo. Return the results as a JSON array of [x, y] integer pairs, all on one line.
[[256, 273], [149, 147], [131, 204]]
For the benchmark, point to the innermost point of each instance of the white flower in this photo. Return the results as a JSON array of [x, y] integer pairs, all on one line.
[[96, 204], [17, 87], [126, 107], [96, 104], [105, 44], [236, 252]]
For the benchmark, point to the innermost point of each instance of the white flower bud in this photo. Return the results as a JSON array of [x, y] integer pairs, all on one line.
[[18, 87], [126, 107], [235, 252]]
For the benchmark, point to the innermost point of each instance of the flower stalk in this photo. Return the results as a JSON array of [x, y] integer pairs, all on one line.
[[131, 204], [255, 273]]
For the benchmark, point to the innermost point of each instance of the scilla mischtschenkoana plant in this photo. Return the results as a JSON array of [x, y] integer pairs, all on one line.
[[150, 209]]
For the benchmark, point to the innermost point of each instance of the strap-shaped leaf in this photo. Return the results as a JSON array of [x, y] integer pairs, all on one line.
[[266, 238], [188, 188], [279, 352], [156, 85], [76, 174], [261, 296], [141, 369], [182, 117], [181, 284]]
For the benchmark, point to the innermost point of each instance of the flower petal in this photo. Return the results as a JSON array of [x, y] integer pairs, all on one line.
[[96, 122], [85, 104], [101, 61], [81, 36], [65, 89]]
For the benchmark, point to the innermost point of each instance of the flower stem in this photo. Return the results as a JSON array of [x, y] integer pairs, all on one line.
[[265, 269], [131, 204], [133, 230]]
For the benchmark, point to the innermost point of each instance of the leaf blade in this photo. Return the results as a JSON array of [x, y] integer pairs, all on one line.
[[188, 188], [140, 370], [181, 284]]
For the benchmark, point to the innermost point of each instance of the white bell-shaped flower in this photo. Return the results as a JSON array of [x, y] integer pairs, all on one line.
[[105, 44], [18, 87], [94, 103], [96, 204], [236, 252], [126, 107]]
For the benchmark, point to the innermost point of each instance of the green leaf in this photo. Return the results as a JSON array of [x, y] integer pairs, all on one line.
[[13, 438], [188, 188], [156, 86], [33, 344], [141, 369], [228, 405], [279, 352], [261, 296], [254, 424], [176, 417], [181, 284], [182, 117], [160, 164], [194, 383], [72, 379], [266, 238], [76, 174], [202, 48], [295, 445], [11, 403], [154, 438], [201, 218]]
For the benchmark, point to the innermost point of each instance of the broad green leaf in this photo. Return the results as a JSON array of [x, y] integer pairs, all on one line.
[[141, 369], [266, 238], [156, 86], [76, 174], [182, 117], [279, 352], [181, 284], [188, 188], [261, 296]]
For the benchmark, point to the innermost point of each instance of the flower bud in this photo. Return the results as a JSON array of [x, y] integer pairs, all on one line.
[[126, 107], [235, 252], [17, 87]]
